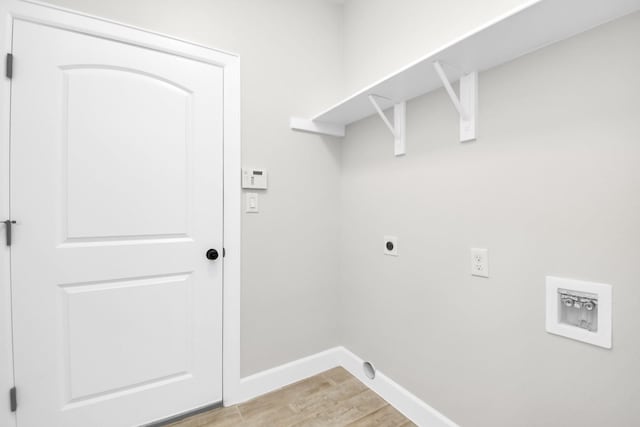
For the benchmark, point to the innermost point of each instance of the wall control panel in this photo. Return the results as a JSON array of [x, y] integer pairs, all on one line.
[[254, 179]]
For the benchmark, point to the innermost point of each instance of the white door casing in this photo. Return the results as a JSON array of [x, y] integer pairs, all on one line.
[[109, 272]]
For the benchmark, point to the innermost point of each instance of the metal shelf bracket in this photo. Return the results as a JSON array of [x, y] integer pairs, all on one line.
[[466, 104], [398, 129]]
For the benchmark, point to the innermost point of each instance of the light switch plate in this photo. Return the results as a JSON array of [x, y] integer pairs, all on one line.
[[479, 262], [254, 179], [251, 203]]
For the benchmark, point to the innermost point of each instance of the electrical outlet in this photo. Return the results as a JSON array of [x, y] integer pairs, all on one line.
[[391, 245], [479, 262]]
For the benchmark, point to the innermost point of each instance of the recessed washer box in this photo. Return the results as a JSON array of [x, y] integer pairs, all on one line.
[[579, 310]]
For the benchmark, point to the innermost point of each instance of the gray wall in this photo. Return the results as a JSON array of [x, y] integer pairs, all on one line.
[[291, 65], [550, 188]]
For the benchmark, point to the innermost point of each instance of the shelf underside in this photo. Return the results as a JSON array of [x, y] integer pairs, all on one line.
[[523, 31]]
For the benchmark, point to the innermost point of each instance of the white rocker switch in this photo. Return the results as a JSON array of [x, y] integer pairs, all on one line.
[[252, 203]]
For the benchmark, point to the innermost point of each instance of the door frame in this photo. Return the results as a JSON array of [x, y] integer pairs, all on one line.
[[55, 16]]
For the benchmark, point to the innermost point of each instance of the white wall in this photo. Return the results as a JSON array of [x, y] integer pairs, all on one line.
[[291, 64], [550, 188]]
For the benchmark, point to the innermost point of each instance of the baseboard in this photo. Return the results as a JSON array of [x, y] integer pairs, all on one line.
[[408, 404], [289, 373], [399, 397]]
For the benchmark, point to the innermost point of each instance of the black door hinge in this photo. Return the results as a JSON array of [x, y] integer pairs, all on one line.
[[9, 66], [224, 252], [8, 225], [13, 399]]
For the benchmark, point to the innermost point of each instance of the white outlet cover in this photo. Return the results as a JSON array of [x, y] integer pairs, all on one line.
[[602, 337], [393, 240], [479, 262]]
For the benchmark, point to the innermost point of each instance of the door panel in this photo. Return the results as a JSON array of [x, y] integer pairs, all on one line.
[[112, 324], [145, 115], [117, 190]]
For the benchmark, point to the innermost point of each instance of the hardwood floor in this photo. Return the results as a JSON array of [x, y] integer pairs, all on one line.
[[333, 398]]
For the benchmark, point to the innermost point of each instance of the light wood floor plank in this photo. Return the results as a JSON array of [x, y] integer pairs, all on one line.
[[282, 397], [387, 416], [331, 399], [345, 412], [337, 375], [222, 417]]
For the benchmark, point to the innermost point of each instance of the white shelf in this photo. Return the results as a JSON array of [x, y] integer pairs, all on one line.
[[522, 31]]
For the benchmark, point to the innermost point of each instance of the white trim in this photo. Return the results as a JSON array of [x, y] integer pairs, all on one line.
[[397, 396], [83, 23], [7, 418], [232, 235], [404, 401], [283, 375], [140, 35]]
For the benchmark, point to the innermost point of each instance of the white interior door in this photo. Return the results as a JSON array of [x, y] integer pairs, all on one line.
[[116, 187]]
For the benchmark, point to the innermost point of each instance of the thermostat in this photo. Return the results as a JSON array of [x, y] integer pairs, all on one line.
[[255, 179]]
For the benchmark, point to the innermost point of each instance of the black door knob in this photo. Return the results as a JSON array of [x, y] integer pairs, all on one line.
[[212, 254]]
